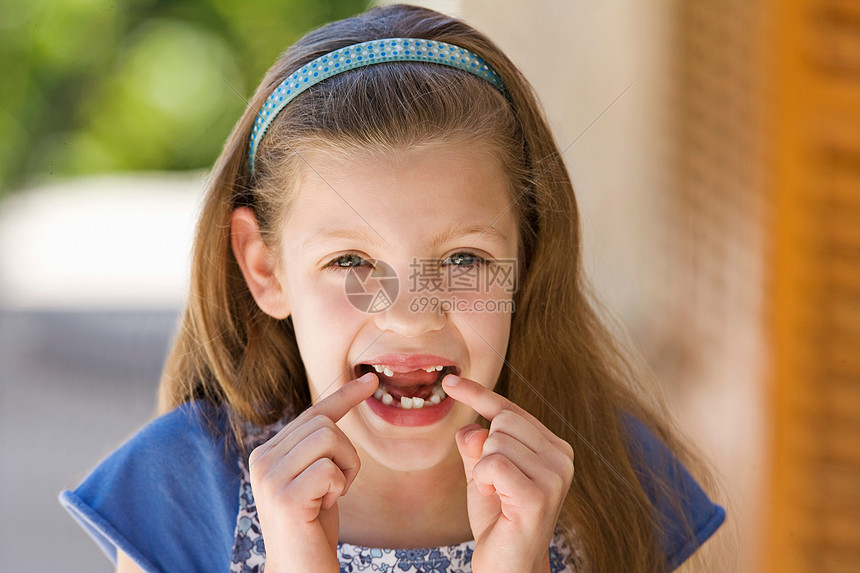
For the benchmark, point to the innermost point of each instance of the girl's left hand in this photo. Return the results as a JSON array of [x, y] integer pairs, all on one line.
[[518, 475]]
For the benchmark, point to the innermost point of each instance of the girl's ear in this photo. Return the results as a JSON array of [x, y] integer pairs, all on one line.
[[258, 264]]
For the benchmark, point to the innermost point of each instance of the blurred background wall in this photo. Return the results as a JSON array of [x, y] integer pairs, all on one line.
[[714, 150]]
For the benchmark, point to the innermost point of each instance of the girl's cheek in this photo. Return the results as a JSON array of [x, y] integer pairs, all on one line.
[[325, 324], [315, 302], [489, 315], [331, 303], [493, 305]]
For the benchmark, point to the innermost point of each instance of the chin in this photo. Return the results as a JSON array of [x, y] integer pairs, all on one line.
[[403, 448], [413, 455]]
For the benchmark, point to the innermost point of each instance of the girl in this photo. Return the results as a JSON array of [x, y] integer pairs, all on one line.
[[388, 357]]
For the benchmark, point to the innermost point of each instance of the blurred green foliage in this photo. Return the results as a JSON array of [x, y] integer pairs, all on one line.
[[91, 86]]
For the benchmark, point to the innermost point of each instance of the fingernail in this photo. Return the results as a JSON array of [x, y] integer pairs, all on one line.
[[470, 435], [368, 377], [451, 380]]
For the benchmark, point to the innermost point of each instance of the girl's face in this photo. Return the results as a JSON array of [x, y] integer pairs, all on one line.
[[441, 220]]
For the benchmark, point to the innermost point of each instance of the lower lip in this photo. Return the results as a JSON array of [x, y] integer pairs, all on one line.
[[410, 417]]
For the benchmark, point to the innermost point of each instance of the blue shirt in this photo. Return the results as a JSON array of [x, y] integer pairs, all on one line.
[[169, 497]]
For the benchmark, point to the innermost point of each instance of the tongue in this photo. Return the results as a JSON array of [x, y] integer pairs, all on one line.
[[418, 383], [414, 378], [397, 392]]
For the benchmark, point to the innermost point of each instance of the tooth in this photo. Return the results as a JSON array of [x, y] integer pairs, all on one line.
[[435, 398], [377, 367], [388, 372], [438, 391], [439, 368], [379, 393], [387, 399], [432, 369], [405, 402], [417, 402]]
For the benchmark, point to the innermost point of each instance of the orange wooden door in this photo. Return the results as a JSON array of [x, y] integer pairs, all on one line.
[[814, 135]]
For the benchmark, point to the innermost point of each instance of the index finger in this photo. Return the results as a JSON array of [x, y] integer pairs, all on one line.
[[484, 401], [344, 399]]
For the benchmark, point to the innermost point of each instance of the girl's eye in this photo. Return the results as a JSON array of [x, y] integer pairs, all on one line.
[[465, 259], [347, 261]]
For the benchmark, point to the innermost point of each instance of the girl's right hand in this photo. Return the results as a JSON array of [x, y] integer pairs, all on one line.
[[297, 478]]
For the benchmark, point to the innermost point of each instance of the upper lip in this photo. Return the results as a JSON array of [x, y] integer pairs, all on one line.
[[399, 362]]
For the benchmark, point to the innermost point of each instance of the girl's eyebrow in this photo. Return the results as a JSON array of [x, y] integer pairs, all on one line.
[[327, 235], [458, 232], [437, 239]]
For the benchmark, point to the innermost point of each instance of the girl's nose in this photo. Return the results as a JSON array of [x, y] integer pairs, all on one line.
[[411, 315]]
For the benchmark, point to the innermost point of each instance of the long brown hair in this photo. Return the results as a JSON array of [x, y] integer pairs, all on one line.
[[563, 363]]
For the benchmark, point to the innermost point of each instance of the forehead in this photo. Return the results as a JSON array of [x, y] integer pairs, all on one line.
[[407, 192]]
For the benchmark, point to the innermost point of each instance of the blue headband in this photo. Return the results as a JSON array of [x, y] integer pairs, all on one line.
[[359, 55]]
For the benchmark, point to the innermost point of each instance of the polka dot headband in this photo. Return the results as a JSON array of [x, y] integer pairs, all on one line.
[[359, 55]]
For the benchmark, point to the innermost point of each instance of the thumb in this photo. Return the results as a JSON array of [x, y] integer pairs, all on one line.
[[470, 442]]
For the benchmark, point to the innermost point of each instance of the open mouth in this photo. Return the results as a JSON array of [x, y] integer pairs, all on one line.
[[409, 389]]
